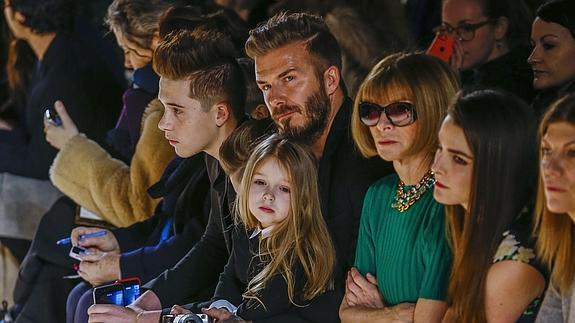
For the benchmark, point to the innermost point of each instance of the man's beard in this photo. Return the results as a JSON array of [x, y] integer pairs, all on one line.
[[315, 118]]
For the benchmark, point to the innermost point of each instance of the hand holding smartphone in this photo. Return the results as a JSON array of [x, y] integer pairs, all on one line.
[[109, 294], [52, 116], [123, 292], [442, 46], [131, 287]]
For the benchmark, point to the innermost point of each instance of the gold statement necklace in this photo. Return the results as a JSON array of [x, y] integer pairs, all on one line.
[[406, 198]]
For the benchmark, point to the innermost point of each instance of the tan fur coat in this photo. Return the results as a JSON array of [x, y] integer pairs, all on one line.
[[108, 187]]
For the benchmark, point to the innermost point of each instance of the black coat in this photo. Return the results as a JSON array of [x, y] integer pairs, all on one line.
[[184, 188], [510, 73]]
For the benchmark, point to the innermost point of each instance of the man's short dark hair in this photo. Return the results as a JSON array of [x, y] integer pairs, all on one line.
[[46, 16], [285, 29], [206, 58]]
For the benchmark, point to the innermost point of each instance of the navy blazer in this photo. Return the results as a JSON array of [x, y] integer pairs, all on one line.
[[184, 208]]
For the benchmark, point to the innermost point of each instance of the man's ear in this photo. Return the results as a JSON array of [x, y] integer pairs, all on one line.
[[223, 112], [331, 79]]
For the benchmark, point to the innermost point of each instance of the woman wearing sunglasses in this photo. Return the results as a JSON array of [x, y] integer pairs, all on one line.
[[491, 43], [485, 171], [555, 223], [403, 259]]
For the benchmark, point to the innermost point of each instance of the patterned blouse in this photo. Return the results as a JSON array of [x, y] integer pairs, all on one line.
[[518, 245]]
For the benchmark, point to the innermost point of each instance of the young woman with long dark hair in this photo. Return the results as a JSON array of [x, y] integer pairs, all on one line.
[[485, 168]]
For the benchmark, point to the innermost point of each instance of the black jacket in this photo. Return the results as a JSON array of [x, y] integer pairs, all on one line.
[[510, 73], [244, 264], [184, 189], [201, 266]]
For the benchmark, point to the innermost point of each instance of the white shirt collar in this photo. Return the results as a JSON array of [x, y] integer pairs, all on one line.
[[265, 232]]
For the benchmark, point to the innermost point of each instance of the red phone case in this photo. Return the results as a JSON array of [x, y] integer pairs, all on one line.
[[442, 46]]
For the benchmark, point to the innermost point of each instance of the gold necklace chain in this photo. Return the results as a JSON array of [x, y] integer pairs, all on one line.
[[406, 198]]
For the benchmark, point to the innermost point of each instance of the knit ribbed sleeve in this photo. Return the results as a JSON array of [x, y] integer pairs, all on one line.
[[407, 252]]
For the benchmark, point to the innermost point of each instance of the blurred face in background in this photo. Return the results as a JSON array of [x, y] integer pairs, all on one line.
[[135, 57], [482, 35]]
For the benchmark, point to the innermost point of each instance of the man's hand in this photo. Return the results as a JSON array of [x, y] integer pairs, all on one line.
[[98, 268], [103, 313], [360, 291], [106, 243], [58, 136]]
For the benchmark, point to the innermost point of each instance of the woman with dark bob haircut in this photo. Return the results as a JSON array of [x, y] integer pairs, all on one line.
[[553, 39]]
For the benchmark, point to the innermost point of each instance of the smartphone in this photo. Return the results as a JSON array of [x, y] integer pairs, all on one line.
[[53, 117], [109, 294], [442, 46], [131, 289], [76, 252]]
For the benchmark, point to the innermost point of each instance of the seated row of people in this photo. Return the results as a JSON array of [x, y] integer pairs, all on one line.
[[395, 137], [275, 245]]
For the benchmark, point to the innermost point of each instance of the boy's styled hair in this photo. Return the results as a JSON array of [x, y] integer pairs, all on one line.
[[302, 238], [206, 58], [225, 21], [285, 29]]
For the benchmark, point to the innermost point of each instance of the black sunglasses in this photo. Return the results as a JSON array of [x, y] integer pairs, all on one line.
[[399, 114]]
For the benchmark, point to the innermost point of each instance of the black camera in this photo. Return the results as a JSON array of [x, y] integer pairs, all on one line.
[[185, 318]]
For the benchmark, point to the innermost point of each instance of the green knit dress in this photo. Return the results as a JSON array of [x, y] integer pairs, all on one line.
[[407, 252]]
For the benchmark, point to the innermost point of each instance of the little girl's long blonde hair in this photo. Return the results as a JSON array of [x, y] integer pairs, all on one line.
[[303, 236]]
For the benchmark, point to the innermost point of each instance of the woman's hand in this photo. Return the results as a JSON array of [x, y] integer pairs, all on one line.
[[456, 59], [360, 291], [58, 136]]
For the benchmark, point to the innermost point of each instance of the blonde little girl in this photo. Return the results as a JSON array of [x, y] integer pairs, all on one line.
[[283, 258]]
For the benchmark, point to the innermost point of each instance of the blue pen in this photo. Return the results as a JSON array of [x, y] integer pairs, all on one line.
[[66, 241]]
